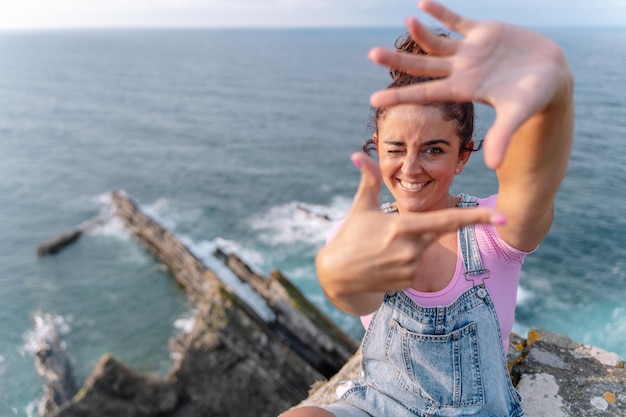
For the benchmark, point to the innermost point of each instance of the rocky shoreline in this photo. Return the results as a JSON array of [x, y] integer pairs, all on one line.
[[258, 347]]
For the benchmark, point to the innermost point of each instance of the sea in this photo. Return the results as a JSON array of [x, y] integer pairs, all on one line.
[[241, 138]]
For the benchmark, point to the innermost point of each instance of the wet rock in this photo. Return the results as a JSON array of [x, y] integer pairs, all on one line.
[[52, 363], [255, 348]]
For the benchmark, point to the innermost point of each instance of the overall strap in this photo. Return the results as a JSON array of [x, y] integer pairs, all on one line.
[[469, 245], [388, 208]]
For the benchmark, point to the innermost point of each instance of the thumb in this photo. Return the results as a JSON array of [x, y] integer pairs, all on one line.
[[499, 136], [367, 196]]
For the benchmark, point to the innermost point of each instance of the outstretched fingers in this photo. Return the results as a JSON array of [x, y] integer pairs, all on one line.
[[446, 16], [414, 64], [432, 91], [500, 133], [449, 220], [367, 196], [431, 42]]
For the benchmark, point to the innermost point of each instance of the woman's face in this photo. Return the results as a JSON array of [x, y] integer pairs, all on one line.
[[419, 156]]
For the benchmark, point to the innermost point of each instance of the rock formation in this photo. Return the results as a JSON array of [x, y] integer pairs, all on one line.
[[256, 346], [51, 363]]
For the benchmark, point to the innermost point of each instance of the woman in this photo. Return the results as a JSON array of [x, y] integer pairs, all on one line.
[[438, 302]]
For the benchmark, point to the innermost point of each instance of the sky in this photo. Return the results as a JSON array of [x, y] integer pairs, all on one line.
[[40, 14]]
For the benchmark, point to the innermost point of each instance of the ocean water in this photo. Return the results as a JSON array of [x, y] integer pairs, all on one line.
[[225, 135]]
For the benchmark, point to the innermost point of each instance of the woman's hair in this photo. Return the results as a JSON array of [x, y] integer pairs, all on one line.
[[461, 113]]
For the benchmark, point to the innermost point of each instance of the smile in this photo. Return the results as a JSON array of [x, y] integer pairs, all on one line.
[[412, 186]]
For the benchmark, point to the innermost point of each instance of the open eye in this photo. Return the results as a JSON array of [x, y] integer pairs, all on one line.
[[433, 150]]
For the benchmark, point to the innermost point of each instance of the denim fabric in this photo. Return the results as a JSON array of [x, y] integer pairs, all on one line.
[[469, 246], [434, 361], [344, 409]]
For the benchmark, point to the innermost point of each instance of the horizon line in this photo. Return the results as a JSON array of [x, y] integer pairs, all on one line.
[[270, 27]]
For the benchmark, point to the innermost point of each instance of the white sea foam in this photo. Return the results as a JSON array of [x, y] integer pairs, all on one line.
[[112, 227], [104, 199], [298, 222], [32, 408], [614, 331], [252, 258], [46, 326], [523, 295], [185, 324], [204, 251], [161, 212]]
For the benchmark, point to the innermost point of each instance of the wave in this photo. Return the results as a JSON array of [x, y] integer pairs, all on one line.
[[299, 222], [112, 227], [185, 323], [523, 295], [160, 211], [45, 325]]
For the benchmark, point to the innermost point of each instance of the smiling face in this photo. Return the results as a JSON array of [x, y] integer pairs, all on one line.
[[419, 155]]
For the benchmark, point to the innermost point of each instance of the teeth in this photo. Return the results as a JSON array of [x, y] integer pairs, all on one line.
[[412, 185]]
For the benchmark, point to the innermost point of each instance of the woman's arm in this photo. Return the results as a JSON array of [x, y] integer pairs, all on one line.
[[534, 167]]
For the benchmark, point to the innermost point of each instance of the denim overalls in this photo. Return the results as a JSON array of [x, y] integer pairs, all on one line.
[[435, 361]]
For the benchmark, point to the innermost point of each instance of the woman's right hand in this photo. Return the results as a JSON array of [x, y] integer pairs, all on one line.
[[516, 71], [374, 252]]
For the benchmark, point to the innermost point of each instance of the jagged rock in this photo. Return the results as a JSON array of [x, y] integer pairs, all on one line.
[[320, 341], [232, 366], [58, 242], [256, 346], [113, 389], [52, 363]]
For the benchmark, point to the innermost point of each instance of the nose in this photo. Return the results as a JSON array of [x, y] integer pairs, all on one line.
[[412, 165]]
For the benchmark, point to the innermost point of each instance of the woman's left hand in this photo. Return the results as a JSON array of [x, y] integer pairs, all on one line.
[[516, 71]]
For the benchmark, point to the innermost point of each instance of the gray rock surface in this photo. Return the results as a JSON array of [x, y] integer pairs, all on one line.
[[560, 378]]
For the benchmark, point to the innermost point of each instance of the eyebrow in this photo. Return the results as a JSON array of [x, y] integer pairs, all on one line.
[[427, 143]]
